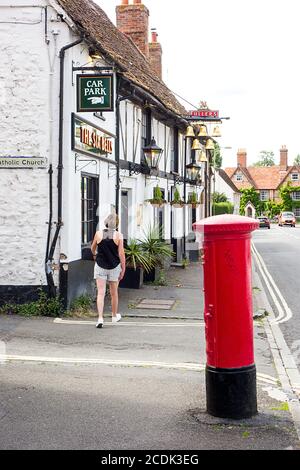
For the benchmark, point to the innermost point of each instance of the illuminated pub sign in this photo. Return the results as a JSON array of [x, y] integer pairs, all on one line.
[[204, 113], [91, 140], [95, 93]]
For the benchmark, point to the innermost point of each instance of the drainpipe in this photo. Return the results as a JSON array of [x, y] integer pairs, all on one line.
[[59, 167]]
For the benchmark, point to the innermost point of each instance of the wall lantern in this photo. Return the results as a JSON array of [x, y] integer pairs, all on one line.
[[193, 172], [152, 154]]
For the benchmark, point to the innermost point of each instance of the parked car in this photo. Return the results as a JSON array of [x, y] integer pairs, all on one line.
[[264, 222], [287, 218]]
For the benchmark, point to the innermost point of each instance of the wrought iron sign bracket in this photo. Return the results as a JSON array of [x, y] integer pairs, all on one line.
[[87, 162]]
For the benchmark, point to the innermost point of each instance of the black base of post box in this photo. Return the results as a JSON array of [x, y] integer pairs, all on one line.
[[231, 393]]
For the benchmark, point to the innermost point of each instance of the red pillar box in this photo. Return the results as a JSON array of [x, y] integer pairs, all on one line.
[[230, 371]]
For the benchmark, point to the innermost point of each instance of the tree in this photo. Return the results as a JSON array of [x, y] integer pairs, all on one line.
[[250, 195], [297, 160], [219, 197], [266, 158], [218, 159]]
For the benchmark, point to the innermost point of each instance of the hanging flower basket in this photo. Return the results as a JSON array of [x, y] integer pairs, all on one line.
[[177, 204], [193, 205], [157, 202]]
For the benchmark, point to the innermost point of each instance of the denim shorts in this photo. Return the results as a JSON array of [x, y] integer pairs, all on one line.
[[110, 275]]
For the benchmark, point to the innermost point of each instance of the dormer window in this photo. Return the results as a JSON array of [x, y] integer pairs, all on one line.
[[295, 176], [239, 177]]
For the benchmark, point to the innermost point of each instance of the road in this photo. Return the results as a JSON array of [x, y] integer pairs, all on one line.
[[280, 251]]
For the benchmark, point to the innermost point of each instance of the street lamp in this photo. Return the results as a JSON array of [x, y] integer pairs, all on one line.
[[153, 154]]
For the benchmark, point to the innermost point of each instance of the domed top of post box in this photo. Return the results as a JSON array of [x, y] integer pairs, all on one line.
[[226, 223]]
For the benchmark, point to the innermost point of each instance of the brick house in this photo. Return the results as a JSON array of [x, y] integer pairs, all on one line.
[[266, 180]]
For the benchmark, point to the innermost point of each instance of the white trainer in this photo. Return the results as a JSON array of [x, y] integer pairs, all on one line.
[[117, 318], [99, 324]]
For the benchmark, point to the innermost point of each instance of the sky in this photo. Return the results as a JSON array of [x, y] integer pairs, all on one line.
[[242, 58]]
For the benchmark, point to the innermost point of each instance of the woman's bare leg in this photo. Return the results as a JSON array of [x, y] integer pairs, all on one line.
[[113, 288], [101, 288]]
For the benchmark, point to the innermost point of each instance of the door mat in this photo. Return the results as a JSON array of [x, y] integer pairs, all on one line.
[[155, 304]]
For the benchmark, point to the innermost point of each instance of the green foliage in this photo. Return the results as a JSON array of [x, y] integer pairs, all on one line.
[[297, 160], [218, 159], [272, 208], [136, 257], [177, 198], [162, 280], [155, 247], [266, 158], [220, 208], [157, 194], [193, 198], [286, 195], [82, 304], [219, 197], [44, 306], [250, 195]]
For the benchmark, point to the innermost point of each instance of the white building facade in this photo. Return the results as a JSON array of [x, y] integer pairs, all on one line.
[[62, 171]]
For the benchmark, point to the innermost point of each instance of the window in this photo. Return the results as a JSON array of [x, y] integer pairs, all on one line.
[[295, 176], [297, 212], [146, 130], [264, 195], [89, 208], [239, 177], [296, 196], [175, 151]]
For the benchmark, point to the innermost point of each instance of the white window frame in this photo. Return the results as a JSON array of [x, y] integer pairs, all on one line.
[[297, 212], [239, 177], [296, 196], [264, 195], [295, 177]]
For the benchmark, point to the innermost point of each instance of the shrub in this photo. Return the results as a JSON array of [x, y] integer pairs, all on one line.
[[44, 306], [223, 208]]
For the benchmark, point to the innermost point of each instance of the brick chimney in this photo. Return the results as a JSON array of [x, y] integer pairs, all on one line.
[[155, 51], [242, 158], [133, 20], [283, 158]]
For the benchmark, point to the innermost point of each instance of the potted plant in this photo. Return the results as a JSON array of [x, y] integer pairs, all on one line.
[[158, 250], [193, 200], [137, 261], [157, 200], [177, 201]]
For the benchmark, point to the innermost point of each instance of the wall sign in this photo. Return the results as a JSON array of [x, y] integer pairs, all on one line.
[[95, 93], [23, 162], [89, 139]]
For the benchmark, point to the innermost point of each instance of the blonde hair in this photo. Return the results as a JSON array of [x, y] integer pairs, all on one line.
[[112, 221]]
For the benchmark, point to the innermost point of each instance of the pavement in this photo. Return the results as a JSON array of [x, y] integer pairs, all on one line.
[[136, 385]]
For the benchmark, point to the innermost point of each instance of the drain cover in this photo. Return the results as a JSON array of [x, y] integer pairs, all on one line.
[[155, 304]]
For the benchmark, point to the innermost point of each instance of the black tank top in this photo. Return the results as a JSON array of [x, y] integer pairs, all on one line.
[[108, 251]]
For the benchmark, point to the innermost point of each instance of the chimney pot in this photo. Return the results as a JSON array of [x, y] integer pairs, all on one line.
[[133, 20]]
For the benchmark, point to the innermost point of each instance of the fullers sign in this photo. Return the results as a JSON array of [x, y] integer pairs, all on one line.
[[95, 93], [91, 140], [204, 113]]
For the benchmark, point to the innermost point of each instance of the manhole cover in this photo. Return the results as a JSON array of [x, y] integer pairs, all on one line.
[[155, 304]]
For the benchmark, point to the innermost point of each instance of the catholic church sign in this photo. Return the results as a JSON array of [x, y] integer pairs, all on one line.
[[95, 93]]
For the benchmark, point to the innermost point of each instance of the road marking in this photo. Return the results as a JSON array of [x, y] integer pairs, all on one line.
[[144, 324], [285, 313], [188, 366], [284, 362]]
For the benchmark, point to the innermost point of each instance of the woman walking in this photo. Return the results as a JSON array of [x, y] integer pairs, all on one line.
[[108, 252]]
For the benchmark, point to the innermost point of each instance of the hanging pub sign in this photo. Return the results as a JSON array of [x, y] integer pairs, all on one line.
[[203, 113], [95, 93], [91, 140]]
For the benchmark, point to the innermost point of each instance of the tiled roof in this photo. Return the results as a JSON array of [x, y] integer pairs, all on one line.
[[97, 27], [227, 180], [262, 177]]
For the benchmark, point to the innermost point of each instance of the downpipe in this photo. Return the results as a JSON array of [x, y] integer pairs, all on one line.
[[51, 250]]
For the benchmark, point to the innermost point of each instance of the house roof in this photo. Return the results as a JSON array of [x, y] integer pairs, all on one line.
[[93, 22], [227, 180], [263, 177]]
